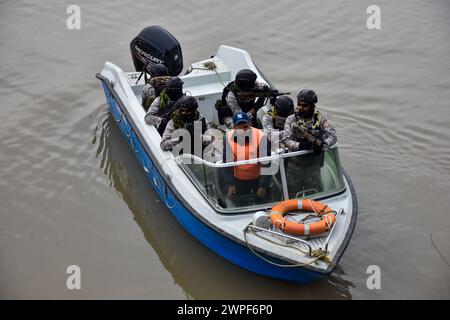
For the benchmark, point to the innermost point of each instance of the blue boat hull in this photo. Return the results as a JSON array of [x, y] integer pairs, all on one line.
[[232, 251]]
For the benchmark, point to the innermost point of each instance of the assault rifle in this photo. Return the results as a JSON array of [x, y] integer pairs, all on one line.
[[302, 133], [243, 97], [259, 93]]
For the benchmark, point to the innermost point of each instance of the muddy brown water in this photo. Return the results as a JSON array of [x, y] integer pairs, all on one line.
[[71, 191]]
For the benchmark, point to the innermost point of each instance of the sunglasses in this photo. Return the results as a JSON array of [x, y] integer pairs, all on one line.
[[302, 104], [185, 111]]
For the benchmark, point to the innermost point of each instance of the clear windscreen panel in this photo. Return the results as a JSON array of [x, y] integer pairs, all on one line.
[[225, 192], [291, 175], [313, 175]]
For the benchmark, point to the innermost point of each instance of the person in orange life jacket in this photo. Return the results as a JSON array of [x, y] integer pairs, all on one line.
[[244, 143]]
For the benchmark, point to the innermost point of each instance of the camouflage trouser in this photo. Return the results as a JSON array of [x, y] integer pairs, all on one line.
[[303, 175]]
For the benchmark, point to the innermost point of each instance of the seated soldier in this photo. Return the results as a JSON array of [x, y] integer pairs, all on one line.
[[161, 109], [159, 75], [282, 107], [186, 116]]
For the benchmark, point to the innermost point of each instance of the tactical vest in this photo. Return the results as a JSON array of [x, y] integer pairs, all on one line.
[[166, 108], [158, 84], [312, 123], [246, 106], [190, 127], [277, 121]]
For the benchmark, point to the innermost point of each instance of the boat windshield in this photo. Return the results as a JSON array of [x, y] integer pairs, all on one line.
[[301, 174]]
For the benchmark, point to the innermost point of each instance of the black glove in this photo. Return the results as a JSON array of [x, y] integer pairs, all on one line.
[[317, 146], [304, 144], [259, 103], [224, 112]]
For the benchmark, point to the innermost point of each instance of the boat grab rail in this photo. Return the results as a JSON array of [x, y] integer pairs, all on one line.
[[304, 242], [327, 240], [198, 160], [283, 235]]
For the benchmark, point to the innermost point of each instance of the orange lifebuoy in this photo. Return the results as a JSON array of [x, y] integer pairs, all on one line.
[[327, 215]]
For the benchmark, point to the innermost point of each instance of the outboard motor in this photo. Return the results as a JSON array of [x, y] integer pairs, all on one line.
[[155, 45]]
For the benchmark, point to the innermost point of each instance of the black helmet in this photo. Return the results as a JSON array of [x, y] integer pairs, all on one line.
[[157, 70], [307, 96], [245, 79], [284, 106], [174, 88], [187, 102]]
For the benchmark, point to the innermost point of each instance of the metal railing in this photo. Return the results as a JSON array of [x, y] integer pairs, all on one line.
[[198, 160], [306, 243], [327, 240], [325, 243]]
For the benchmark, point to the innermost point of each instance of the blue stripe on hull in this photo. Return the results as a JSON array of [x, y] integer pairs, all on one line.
[[223, 246]]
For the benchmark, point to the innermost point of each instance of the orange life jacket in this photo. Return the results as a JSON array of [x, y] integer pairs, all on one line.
[[248, 151]]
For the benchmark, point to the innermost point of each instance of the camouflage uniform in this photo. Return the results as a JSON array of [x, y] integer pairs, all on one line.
[[166, 140], [322, 129], [153, 114], [152, 88], [148, 92], [303, 172], [268, 122], [151, 117], [232, 102]]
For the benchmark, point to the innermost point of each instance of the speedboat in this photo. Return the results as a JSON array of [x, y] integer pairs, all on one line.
[[247, 231]]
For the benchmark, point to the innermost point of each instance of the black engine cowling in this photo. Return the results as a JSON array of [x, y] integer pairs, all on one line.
[[155, 45]]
